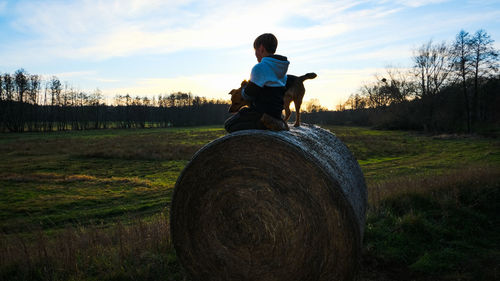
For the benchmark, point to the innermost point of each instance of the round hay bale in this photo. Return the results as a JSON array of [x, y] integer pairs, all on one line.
[[262, 205]]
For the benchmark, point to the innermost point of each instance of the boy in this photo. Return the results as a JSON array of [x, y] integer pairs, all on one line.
[[265, 90]]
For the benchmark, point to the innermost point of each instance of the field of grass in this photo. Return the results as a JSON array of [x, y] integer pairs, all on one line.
[[93, 205], [52, 180]]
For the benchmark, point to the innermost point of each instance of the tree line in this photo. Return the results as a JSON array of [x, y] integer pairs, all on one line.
[[29, 103], [451, 87]]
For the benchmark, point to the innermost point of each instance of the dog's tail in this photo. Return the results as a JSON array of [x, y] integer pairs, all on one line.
[[310, 75]]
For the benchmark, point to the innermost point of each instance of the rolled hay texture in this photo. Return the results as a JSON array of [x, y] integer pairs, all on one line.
[[262, 205]]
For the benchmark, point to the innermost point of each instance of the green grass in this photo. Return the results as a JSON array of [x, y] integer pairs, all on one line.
[[450, 231], [57, 179], [385, 155], [93, 205], [434, 204]]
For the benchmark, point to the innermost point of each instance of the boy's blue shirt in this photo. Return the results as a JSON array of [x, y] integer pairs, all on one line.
[[267, 85], [271, 72]]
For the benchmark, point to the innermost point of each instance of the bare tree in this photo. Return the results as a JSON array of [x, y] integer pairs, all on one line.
[[2, 90], [373, 96], [356, 101], [313, 105], [401, 84], [19, 113], [461, 58], [21, 79], [8, 83], [55, 91], [55, 102], [432, 67], [34, 89], [96, 100], [485, 64]]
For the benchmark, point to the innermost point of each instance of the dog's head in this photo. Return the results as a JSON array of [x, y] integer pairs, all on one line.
[[237, 100]]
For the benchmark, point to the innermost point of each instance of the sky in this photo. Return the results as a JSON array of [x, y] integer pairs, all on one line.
[[152, 47]]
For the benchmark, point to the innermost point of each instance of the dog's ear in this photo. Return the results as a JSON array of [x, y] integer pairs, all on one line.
[[244, 83], [232, 92]]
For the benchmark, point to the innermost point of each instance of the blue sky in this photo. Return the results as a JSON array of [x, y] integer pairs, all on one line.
[[205, 47]]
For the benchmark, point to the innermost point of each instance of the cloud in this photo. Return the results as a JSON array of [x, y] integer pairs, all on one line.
[[345, 42], [419, 3], [100, 30]]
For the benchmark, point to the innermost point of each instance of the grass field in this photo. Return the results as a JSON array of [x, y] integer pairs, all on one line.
[[93, 205]]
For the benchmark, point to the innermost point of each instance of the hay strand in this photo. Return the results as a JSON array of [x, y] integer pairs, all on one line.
[[261, 205]]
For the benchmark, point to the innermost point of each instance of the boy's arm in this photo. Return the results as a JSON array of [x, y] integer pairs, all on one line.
[[254, 86], [251, 91]]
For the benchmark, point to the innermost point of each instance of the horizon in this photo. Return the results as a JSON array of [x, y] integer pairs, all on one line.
[[148, 48]]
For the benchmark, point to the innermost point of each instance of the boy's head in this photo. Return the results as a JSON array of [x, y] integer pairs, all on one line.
[[265, 45]]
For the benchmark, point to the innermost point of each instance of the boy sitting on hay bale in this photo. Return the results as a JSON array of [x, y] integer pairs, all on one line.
[[265, 90]]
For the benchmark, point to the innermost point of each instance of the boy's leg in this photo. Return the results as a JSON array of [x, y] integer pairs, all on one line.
[[245, 119]]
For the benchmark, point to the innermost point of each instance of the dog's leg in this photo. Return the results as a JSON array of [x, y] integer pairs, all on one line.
[[286, 103], [297, 103]]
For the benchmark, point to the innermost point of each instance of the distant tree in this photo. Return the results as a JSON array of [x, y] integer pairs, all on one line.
[[34, 89], [19, 113], [96, 98], [32, 99], [485, 64], [21, 80], [8, 84], [2, 90], [432, 67], [461, 58], [45, 91], [313, 105], [55, 91], [400, 84], [119, 100], [375, 95], [83, 98], [55, 102], [66, 95], [355, 101]]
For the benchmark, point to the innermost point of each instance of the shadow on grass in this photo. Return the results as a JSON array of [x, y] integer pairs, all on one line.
[[437, 228]]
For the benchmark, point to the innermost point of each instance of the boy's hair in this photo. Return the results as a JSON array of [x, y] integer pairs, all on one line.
[[267, 40]]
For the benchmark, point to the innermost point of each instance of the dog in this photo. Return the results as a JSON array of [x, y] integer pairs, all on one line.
[[237, 100], [294, 91]]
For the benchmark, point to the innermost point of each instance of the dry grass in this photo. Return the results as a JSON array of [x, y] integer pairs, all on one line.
[[63, 193], [435, 227], [142, 248], [64, 179], [162, 144], [474, 176]]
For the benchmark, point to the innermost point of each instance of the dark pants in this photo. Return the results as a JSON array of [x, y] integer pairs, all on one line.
[[245, 119]]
